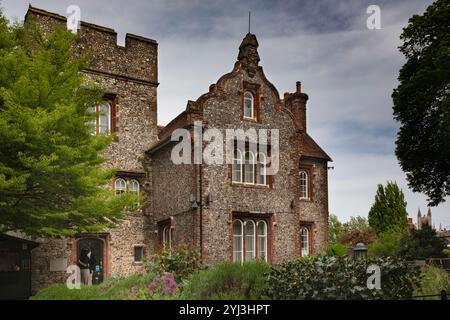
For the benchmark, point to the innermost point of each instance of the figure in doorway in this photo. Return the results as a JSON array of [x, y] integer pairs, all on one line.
[[84, 264]]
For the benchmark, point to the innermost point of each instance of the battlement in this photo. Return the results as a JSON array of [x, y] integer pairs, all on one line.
[[137, 60]]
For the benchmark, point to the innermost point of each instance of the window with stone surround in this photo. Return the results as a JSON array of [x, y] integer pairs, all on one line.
[[249, 240], [120, 186], [304, 238], [123, 185], [165, 232], [250, 102], [105, 116], [305, 186], [249, 168], [249, 105], [139, 254]]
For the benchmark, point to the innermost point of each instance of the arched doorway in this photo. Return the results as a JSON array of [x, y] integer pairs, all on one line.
[[96, 248]]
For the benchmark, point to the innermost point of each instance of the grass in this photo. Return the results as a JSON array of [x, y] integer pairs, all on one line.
[[112, 289]]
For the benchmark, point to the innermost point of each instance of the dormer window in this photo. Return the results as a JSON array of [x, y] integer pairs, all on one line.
[[249, 105]]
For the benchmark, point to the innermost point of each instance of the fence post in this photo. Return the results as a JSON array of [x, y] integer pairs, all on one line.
[[443, 295]]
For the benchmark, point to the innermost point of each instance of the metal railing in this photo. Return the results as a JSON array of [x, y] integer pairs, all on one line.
[[442, 295]]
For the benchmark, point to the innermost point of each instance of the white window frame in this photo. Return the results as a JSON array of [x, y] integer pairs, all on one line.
[[167, 241], [241, 235], [237, 162], [249, 96], [250, 163], [304, 234], [304, 189], [247, 235], [264, 236], [116, 182], [99, 117], [258, 164]]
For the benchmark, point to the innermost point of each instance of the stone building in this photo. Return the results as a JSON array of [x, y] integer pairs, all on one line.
[[232, 211]]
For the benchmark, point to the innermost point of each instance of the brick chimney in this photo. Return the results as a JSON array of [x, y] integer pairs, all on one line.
[[296, 102]]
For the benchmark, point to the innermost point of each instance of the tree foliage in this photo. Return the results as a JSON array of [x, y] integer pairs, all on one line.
[[51, 180], [422, 244], [356, 230], [334, 229], [422, 103], [389, 209]]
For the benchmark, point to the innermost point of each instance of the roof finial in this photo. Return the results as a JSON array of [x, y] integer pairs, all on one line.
[[249, 20]]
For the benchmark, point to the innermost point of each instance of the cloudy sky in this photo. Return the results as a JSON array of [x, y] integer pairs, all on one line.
[[348, 71]]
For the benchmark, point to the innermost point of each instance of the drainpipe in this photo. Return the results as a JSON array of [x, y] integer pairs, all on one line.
[[201, 210]]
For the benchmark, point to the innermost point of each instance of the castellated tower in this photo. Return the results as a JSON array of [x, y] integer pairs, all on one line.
[[129, 74]]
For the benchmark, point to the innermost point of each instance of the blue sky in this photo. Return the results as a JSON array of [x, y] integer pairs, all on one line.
[[348, 71]]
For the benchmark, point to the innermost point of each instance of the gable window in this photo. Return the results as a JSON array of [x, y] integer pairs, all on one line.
[[261, 169], [120, 186], [102, 122], [139, 254], [237, 166], [249, 240], [249, 167], [249, 105], [304, 185], [304, 238]]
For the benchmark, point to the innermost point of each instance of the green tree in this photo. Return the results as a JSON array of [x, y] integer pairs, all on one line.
[[422, 244], [387, 244], [334, 229], [422, 103], [389, 209], [51, 180]]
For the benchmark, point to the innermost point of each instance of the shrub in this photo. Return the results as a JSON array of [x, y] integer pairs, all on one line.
[[387, 244], [434, 280], [324, 277], [180, 261], [228, 281], [336, 250]]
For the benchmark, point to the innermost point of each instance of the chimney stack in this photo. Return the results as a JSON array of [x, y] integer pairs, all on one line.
[[296, 102]]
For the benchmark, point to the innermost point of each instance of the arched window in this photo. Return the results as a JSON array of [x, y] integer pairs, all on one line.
[[262, 240], [249, 167], [238, 243], [133, 187], [120, 186], [249, 240], [304, 241], [249, 106], [261, 169], [237, 166], [304, 185], [167, 237]]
